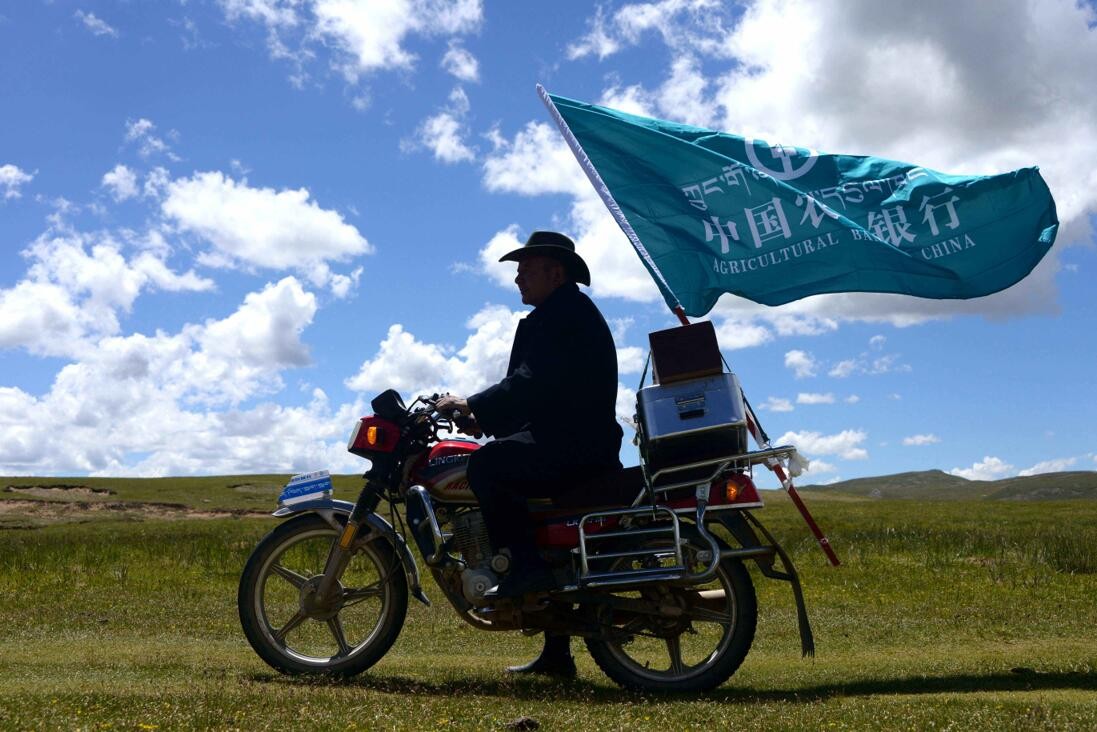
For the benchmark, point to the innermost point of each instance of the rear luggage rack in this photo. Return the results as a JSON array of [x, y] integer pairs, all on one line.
[[719, 466], [671, 531]]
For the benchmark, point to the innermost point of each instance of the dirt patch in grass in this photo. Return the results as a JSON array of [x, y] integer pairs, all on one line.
[[58, 490], [48, 512], [260, 489]]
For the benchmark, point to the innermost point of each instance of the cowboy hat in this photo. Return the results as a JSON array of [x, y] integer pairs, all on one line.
[[555, 245]]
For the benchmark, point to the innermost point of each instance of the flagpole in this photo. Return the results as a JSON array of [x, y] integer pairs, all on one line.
[[607, 198]]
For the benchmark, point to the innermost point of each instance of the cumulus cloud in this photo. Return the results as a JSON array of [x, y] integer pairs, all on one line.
[[426, 368], [96, 25], [776, 404], [682, 25], [362, 37], [845, 444], [144, 404], [141, 132], [75, 288], [461, 64], [803, 364], [121, 182], [991, 468], [12, 178], [444, 133], [919, 440], [261, 227], [814, 398], [1056, 465]]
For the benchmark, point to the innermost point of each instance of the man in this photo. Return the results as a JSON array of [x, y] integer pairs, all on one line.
[[553, 415]]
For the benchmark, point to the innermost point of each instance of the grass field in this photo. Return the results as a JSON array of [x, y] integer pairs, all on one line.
[[959, 615]]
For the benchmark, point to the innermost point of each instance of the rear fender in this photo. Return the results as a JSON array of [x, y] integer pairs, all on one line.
[[745, 527], [330, 509]]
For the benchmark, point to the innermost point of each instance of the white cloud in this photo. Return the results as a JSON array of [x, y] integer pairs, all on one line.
[[536, 162], [845, 444], [362, 36], [842, 369], [1056, 465], [12, 178], [919, 440], [991, 468], [682, 24], [74, 289], [121, 182], [261, 227], [96, 25], [852, 399], [142, 404], [265, 330], [776, 404], [444, 133], [814, 398], [630, 360], [140, 132], [877, 342], [461, 64], [735, 333], [803, 364], [819, 467], [866, 364], [426, 368]]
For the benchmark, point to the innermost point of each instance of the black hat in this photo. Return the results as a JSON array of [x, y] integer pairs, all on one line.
[[555, 245]]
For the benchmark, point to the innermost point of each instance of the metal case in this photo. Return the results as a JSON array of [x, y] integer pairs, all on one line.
[[691, 421]]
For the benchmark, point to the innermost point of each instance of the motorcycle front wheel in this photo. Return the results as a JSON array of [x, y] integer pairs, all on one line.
[[297, 635], [696, 650]]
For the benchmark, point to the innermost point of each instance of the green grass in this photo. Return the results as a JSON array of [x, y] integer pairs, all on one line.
[[965, 615]]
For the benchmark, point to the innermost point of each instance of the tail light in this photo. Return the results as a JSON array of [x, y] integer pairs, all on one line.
[[736, 488], [373, 435]]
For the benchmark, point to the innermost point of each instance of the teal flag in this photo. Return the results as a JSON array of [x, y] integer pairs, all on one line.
[[711, 212]]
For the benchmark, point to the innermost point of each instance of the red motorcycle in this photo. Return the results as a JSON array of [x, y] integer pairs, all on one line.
[[649, 561]]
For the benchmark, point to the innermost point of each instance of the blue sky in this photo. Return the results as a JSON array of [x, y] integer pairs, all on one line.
[[227, 224]]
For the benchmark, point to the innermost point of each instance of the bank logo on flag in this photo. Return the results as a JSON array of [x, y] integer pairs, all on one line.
[[710, 212]]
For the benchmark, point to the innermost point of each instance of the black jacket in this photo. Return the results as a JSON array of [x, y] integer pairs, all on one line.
[[561, 383]]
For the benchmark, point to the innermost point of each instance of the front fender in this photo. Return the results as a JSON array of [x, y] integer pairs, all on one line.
[[328, 508]]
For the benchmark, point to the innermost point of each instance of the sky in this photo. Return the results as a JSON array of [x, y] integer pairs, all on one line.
[[227, 224]]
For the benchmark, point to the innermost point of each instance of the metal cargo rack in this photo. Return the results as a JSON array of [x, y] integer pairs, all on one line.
[[671, 565]]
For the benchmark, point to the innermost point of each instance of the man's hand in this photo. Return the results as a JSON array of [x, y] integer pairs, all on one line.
[[451, 403], [458, 408]]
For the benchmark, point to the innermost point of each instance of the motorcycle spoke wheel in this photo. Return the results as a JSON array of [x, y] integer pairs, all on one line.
[[292, 630], [696, 650]]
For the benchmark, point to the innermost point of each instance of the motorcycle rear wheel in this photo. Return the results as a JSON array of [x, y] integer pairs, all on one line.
[[296, 637], [694, 653]]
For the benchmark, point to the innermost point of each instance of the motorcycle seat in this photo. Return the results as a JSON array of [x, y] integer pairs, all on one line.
[[605, 490]]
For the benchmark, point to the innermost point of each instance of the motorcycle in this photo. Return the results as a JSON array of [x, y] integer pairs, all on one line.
[[649, 564]]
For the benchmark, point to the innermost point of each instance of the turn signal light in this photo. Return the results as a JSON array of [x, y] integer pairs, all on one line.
[[373, 435], [731, 490]]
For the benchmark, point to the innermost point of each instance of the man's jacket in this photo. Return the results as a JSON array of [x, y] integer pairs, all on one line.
[[561, 383]]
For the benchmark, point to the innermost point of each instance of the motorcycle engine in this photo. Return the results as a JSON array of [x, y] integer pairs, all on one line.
[[470, 538]]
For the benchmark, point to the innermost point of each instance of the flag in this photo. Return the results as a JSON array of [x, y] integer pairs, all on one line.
[[710, 212]]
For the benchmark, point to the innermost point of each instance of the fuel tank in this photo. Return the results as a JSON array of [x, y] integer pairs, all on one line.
[[443, 471]]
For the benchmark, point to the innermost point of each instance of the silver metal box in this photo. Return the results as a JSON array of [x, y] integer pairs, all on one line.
[[691, 421]]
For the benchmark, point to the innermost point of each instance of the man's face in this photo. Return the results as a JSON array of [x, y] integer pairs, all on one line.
[[537, 278]]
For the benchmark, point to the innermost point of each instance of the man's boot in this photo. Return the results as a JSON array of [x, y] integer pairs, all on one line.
[[555, 659]]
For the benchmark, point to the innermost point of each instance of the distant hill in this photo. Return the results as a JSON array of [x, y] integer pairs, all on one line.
[[939, 485]]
